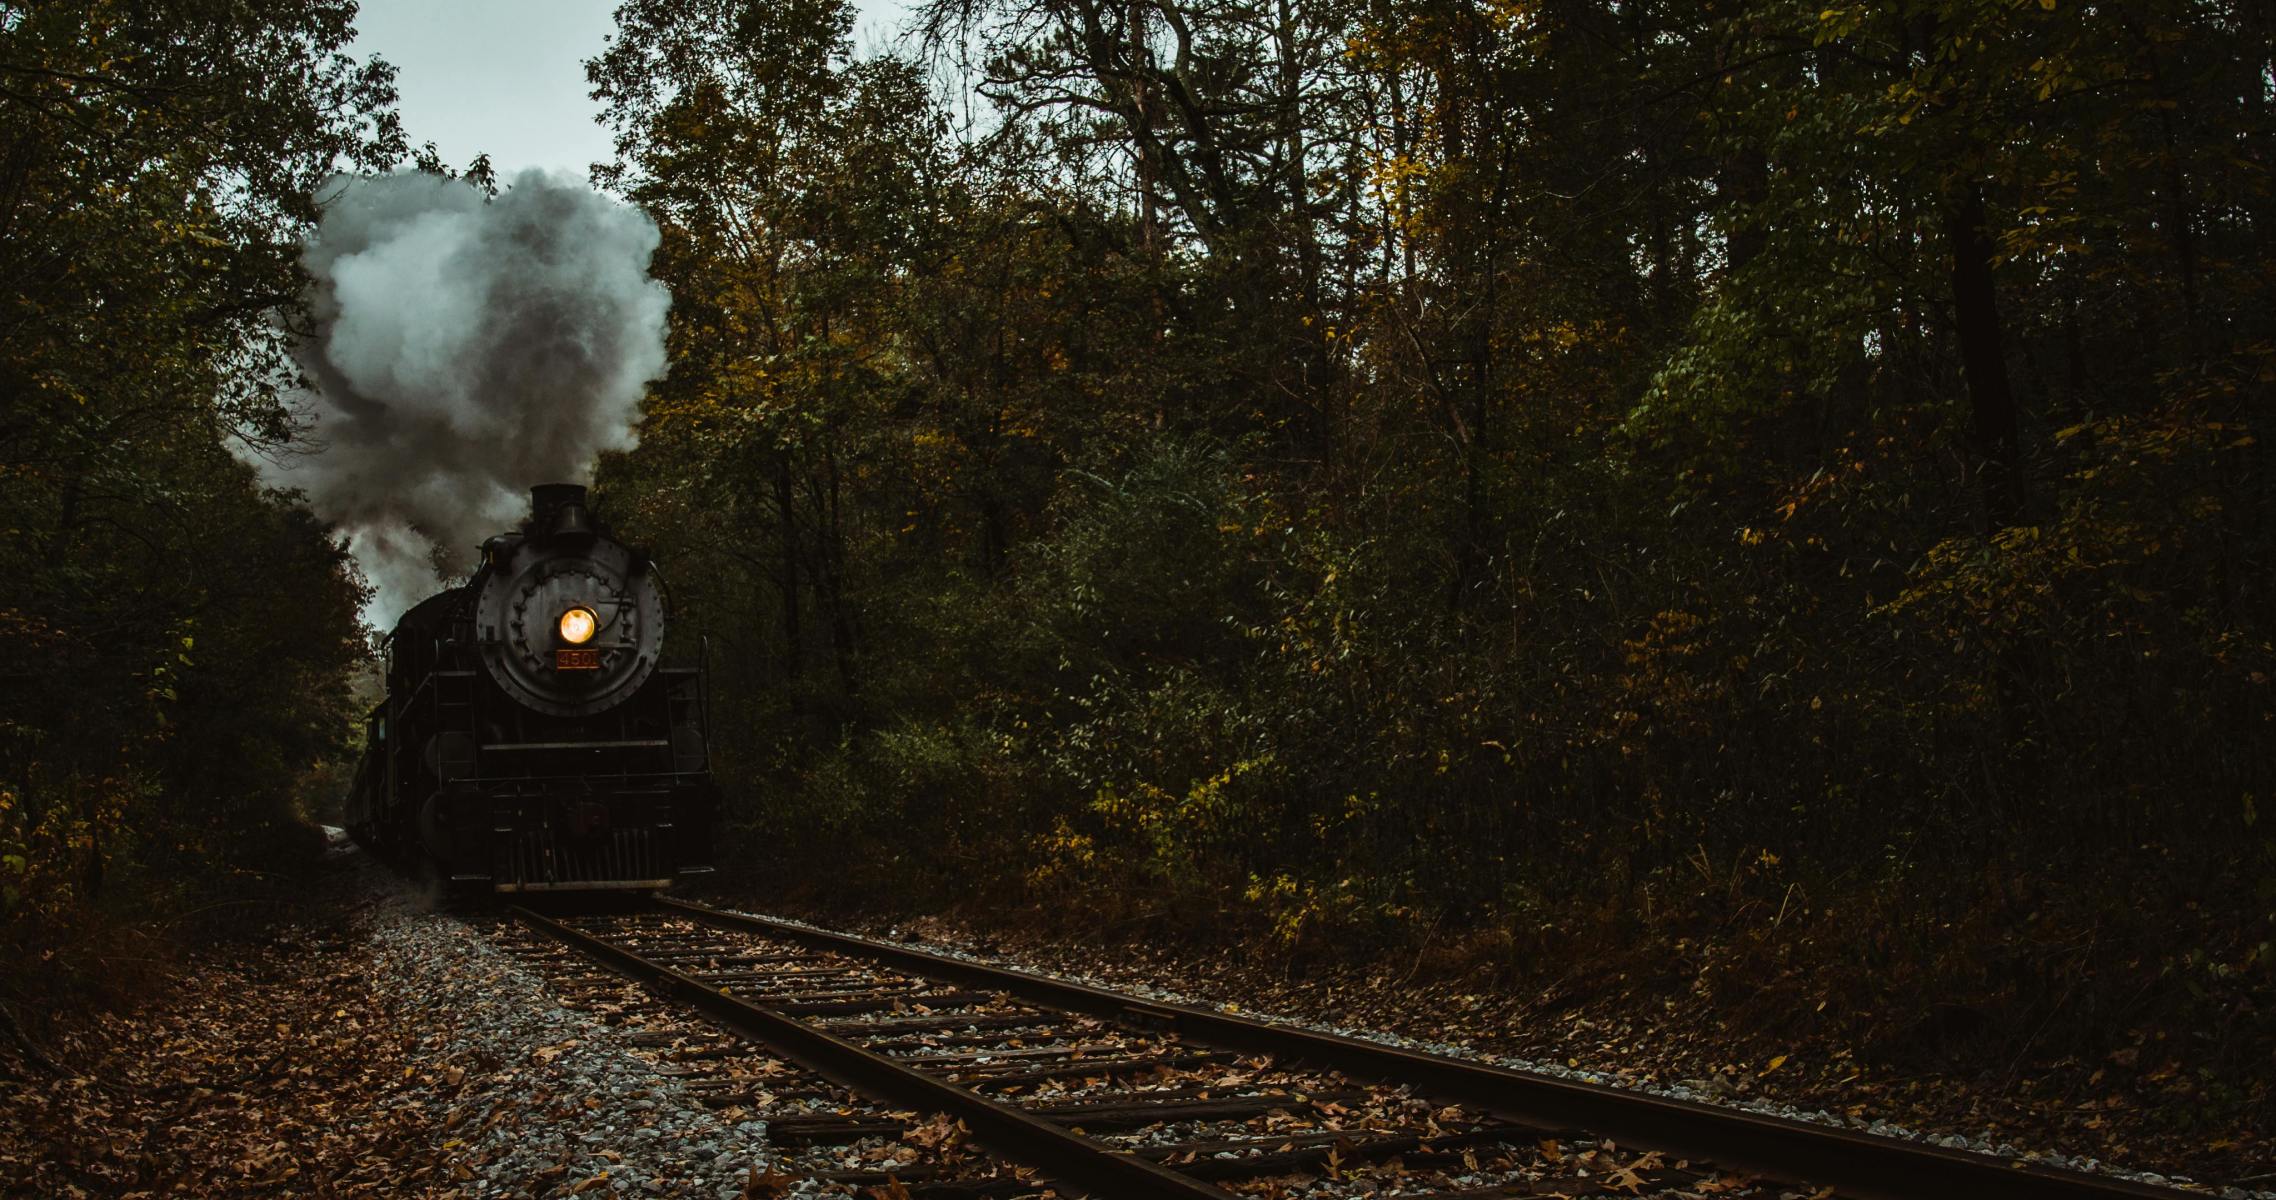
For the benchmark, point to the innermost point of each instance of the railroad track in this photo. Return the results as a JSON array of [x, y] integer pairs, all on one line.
[[1008, 1084]]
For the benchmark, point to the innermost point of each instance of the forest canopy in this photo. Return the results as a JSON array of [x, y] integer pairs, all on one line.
[[1550, 475], [1625, 416], [1584, 474]]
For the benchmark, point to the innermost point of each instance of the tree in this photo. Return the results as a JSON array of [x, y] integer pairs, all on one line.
[[1377, 466], [159, 163]]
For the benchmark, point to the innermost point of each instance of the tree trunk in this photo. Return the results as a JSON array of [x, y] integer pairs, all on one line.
[[1740, 183], [786, 508], [1149, 235], [1983, 357], [832, 554]]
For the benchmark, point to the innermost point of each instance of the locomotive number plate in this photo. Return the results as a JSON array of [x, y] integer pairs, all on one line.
[[576, 660]]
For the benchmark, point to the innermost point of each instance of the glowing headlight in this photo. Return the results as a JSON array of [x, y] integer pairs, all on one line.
[[577, 626]]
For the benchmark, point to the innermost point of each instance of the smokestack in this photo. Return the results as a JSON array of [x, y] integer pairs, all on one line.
[[462, 348], [559, 509]]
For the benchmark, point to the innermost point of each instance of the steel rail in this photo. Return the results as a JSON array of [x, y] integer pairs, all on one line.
[[1855, 1163], [1065, 1156]]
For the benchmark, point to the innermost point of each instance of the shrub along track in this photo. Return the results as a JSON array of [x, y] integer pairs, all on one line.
[[1116, 1096]]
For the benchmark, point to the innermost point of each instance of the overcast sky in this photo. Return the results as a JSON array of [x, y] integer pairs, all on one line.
[[507, 77]]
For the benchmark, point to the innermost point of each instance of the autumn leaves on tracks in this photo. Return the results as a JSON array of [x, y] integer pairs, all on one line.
[[874, 1066]]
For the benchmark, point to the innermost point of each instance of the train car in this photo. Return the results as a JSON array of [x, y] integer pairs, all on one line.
[[533, 737]]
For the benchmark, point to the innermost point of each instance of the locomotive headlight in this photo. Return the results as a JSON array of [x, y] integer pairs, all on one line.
[[577, 625]]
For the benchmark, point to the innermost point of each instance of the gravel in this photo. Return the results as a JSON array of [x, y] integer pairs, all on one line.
[[536, 1098]]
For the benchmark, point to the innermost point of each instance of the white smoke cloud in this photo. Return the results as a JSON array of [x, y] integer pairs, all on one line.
[[465, 350]]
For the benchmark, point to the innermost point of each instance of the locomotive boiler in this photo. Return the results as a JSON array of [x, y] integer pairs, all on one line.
[[533, 736]]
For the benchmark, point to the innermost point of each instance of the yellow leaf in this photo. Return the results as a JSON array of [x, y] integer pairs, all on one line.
[[1775, 1063]]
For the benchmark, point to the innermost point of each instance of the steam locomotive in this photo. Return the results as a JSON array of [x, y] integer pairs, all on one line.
[[532, 738]]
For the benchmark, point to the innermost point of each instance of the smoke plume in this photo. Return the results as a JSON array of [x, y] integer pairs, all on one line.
[[466, 348]]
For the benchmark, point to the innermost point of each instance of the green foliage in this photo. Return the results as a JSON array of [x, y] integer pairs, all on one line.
[[1345, 471], [176, 640]]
